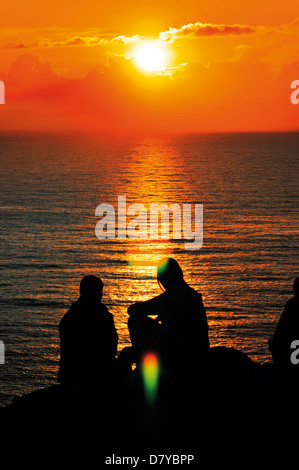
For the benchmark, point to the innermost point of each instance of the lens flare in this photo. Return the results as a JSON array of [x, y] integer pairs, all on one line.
[[151, 374], [162, 266]]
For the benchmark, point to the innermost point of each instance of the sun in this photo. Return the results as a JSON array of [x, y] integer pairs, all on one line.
[[151, 56]]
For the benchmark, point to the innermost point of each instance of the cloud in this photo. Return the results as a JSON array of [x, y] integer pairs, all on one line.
[[208, 29], [241, 93], [14, 46], [92, 37], [95, 40], [127, 39], [295, 23], [77, 40], [226, 96]]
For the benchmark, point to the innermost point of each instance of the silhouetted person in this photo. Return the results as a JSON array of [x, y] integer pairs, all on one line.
[[88, 338], [180, 331], [287, 330]]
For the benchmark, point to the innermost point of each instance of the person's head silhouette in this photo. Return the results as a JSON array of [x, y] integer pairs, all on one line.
[[169, 273], [296, 287], [91, 288]]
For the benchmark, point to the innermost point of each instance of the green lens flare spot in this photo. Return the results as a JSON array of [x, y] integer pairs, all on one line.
[[162, 266], [150, 374]]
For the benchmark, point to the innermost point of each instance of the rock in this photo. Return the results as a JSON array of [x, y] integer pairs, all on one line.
[[232, 399]]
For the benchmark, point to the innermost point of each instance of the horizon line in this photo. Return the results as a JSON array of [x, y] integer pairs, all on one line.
[[139, 133]]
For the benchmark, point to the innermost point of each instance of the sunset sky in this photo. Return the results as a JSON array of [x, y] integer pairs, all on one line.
[[158, 66]]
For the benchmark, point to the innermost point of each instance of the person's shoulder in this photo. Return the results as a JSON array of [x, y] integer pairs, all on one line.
[[104, 308], [292, 304], [69, 316], [70, 311], [105, 311], [193, 292]]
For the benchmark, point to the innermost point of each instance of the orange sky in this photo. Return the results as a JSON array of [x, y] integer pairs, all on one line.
[[70, 65]]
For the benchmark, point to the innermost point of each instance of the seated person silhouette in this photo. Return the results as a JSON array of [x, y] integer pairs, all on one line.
[[287, 330], [88, 338], [180, 332]]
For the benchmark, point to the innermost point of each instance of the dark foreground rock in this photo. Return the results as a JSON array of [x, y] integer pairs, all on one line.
[[233, 404]]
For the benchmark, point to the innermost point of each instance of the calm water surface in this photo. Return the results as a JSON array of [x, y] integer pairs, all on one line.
[[50, 188]]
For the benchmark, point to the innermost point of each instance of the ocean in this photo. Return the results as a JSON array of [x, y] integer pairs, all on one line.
[[50, 188]]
